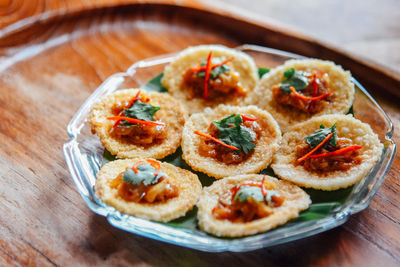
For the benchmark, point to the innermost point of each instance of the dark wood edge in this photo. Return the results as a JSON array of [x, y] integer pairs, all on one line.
[[245, 25]]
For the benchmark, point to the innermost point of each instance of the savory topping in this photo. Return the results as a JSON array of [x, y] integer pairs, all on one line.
[[230, 140], [135, 120], [305, 91], [248, 201], [213, 78], [324, 151], [144, 182]]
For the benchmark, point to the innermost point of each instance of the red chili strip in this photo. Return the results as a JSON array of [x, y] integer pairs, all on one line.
[[302, 97], [207, 75], [134, 167], [215, 140], [133, 100], [263, 189], [155, 164], [132, 120], [203, 68], [337, 152], [315, 148], [315, 91], [246, 118]]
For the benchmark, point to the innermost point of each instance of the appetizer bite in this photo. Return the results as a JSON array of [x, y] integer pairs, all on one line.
[[327, 152], [230, 140], [249, 204], [135, 123], [148, 188], [208, 75], [301, 89]]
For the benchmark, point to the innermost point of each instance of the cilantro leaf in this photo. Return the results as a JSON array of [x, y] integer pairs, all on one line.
[[232, 133], [262, 71], [141, 111], [319, 135], [294, 79], [289, 73], [333, 139], [246, 192], [145, 175]]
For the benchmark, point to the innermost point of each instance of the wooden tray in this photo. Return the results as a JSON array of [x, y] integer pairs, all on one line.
[[51, 63]]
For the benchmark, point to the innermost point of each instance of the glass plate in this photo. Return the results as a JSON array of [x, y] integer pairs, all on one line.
[[84, 157]]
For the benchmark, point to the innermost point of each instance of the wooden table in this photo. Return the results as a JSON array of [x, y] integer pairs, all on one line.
[[48, 69]]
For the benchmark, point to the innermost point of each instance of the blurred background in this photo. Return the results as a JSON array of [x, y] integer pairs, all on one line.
[[368, 28]]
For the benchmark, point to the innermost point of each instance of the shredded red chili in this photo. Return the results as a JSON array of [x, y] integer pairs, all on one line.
[[245, 118], [207, 75], [337, 152], [152, 162], [315, 91], [315, 148], [203, 68], [302, 97], [132, 120], [263, 189], [215, 140], [133, 100]]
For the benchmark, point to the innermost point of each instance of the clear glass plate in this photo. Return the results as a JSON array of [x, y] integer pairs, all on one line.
[[84, 156]]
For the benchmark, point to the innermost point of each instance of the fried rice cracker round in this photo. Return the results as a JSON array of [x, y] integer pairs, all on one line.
[[172, 113], [173, 75], [267, 143], [189, 191], [361, 134], [296, 200], [340, 85]]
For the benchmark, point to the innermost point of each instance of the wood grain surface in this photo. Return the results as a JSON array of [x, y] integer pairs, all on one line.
[[54, 63]]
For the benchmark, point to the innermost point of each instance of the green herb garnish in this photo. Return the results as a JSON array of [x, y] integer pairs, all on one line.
[[319, 135], [254, 192], [141, 111], [232, 133], [145, 175], [295, 79], [262, 71], [246, 192]]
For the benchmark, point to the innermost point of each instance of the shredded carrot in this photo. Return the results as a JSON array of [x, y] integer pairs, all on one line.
[[132, 120], [215, 140], [337, 152], [246, 118], [315, 148], [207, 75], [203, 68], [302, 97]]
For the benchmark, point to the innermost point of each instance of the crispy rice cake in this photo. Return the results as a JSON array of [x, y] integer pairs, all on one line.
[[347, 126], [193, 56], [189, 191], [266, 146], [172, 113], [339, 84], [296, 200]]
